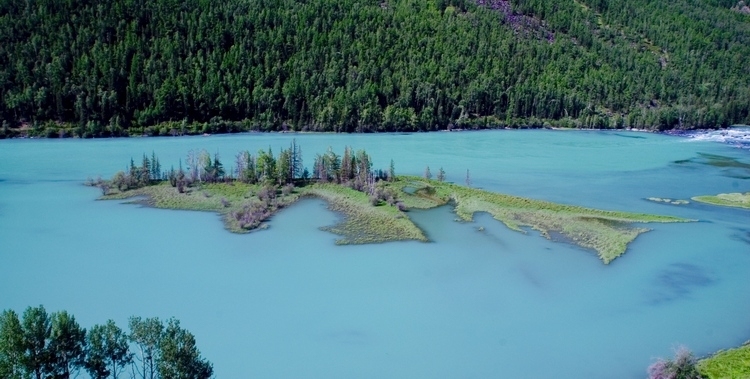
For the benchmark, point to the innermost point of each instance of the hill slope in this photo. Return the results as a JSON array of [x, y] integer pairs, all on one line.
[[167, 66]]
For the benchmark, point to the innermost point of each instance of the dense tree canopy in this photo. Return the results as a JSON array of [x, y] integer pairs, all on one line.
[[173, 67], [39, 345]]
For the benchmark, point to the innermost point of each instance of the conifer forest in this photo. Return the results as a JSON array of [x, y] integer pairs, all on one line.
[[159, 67]]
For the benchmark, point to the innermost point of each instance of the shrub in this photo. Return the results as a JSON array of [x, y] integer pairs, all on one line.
[[682, 367], [251, 216], [51, 132], [287, 189], [390, 200], [267, 193], [120, 181]]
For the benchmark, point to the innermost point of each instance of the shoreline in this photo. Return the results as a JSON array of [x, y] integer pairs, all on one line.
[[23, 133]]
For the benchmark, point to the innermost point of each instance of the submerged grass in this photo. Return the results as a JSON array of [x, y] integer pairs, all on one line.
[[722, 161], [737, 200], [734, 363], [606, 232]]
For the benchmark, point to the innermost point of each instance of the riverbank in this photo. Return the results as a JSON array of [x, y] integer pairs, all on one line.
[[246, 207], [53, 130], [732, 363]]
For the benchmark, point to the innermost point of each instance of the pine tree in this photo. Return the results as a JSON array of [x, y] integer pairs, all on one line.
[[11, 346], [36, 334], [144, 172], [107, 351], [217, 169], [392, 171], [441, 175], [66, 347], [155, 167]]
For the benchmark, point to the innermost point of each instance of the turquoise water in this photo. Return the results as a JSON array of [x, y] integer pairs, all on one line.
[[287, 302]]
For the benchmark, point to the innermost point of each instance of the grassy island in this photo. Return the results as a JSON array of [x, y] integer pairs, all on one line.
[[362, 222], [607, 232], [374, 203], [737, 200]]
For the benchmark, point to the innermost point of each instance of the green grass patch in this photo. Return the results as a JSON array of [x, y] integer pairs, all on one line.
[[162, 195], [736, 200], [363, 222], [225, 199], [726, 364]]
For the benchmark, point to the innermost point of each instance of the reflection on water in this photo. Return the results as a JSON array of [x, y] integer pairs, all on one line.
[[347, 337], [636, 136], [482, 231], [480, 300], [532, 277]]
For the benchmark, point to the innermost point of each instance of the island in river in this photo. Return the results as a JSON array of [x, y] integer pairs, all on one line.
[[736, 200], [374, 204]]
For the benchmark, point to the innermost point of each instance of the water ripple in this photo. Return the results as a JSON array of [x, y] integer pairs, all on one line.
[[348, 337], [737, 137]]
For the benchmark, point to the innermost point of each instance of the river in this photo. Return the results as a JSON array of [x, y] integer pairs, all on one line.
[[477, 301]]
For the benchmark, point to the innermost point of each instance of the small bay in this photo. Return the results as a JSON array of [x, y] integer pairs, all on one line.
[[479, 300]]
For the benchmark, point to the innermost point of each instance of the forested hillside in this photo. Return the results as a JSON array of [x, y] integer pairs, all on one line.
[[121, 67]]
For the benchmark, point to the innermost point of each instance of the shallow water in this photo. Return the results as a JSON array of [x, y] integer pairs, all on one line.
[[287, 302]]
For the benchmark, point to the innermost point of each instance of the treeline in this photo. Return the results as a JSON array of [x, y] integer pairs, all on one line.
[[41, 345], [165, 67], [201, 167], [353, 169], [276, 177]]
